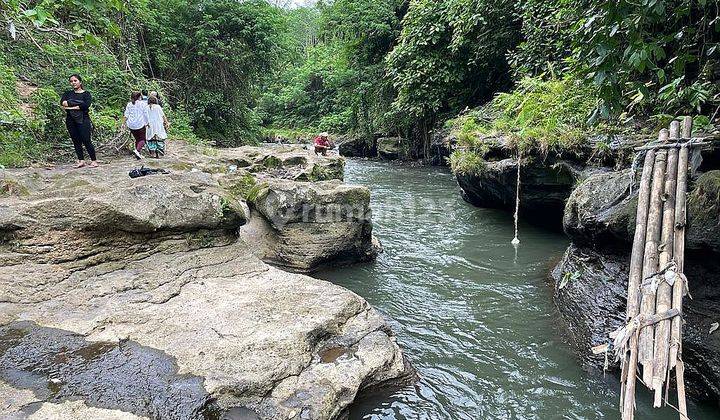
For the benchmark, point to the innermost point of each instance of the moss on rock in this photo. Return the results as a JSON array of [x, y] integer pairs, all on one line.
[[704, 212]]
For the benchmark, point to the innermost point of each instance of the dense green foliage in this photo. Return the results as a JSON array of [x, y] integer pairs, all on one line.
[[656, 55], [333, 76], [539, 114], [234, 71], [451, 54], [207, 58], [625, 59], [216, 53]]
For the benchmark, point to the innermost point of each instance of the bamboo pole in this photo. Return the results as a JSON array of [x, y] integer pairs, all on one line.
[[675, 357], [664, 291], [650, 265], [679, 250], [687, 124], [682, 401], [629, 367]]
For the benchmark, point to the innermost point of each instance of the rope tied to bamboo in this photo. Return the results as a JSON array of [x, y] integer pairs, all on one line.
[[669, 274], [621, 336]]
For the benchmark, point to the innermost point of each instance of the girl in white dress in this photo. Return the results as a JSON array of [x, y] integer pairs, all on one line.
[[156, 133]]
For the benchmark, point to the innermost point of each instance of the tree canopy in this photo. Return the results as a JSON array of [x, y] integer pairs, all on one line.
[[363, 67]]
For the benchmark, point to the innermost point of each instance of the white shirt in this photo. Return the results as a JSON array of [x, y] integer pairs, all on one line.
[[156, 126], [136, 115]]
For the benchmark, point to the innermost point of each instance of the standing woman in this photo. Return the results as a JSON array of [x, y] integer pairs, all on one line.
[[76, 103], [136, 119], [157, 124]]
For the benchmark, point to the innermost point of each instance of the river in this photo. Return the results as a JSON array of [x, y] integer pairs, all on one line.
[[474, 315]]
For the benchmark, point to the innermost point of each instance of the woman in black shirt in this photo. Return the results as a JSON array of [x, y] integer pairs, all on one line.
[[76, 103]]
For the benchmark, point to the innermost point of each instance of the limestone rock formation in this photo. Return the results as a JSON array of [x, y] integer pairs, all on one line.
[[704, 212], [129, 283], [357, 147], [305, 225], [545, 186], [602, 210], [286, 161]]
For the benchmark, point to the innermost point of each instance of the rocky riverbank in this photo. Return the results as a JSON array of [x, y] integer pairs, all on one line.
[[592, 196], [591, 280], [147, 298]]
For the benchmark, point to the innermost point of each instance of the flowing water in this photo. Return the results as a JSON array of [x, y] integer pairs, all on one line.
[[474, 315]]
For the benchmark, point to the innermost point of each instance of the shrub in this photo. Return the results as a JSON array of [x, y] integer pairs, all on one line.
[[467, 162], [543, 113]]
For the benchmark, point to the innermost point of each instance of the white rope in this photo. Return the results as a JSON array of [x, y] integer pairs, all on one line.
[[515, 240]]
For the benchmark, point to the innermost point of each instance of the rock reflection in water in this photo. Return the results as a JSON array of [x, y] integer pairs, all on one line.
[[59, 365]]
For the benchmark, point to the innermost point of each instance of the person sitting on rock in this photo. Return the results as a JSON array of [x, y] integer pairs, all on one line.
[[322, 144]]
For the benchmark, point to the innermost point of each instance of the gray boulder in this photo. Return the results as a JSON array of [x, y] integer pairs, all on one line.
[[602, 209], [87, 217], [391, 148], [544, 187], [357, 147], [304, 226], [704, 213]]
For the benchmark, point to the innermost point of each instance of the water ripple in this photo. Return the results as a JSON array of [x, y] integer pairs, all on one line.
[[474, 315]]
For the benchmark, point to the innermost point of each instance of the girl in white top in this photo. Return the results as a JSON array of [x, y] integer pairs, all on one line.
[[136, 120], [157, 124]]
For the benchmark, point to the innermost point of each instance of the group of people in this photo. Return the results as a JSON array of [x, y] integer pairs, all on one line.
[[143, 116], [146, 120]]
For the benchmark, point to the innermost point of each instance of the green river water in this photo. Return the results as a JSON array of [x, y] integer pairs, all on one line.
[[475, 317]]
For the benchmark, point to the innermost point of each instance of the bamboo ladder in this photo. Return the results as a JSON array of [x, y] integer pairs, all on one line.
[[652, 337]]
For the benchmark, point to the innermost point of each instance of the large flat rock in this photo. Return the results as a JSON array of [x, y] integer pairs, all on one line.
[[255, 334], [133, 298]]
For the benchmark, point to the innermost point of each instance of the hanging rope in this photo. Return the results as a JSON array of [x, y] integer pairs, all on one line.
[[515, 240]]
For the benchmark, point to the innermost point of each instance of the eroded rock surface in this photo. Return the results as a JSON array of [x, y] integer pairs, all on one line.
[[151, 270], [545, 186], [306, 225], [357, 147], [391, 148], [602, 208]]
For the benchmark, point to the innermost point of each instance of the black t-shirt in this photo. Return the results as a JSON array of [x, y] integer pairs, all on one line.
[[83, 100]]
